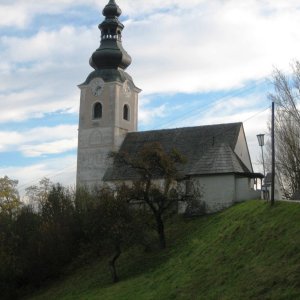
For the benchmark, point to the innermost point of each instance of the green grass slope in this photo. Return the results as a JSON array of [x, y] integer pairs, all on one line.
[[250, 251]]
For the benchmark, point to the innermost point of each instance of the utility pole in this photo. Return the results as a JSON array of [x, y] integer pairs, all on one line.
[[273, 154]]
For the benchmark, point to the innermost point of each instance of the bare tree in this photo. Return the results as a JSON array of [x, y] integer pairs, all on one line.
[[9, 196], [287, 129], [38, 194], [115, 224], [158, 184]]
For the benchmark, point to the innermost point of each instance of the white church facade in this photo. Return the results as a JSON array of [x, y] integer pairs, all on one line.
[[217, 156]]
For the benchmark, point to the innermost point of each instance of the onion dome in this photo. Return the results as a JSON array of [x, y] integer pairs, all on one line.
[[110, 54]]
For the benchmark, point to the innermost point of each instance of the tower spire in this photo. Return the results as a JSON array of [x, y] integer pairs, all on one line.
[[108, 102], [110, 54]]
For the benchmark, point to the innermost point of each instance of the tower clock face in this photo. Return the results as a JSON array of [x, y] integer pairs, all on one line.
[[96, 86]]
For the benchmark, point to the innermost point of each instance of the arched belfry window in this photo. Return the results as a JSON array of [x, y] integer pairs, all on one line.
[[97, 111], [126, 112]]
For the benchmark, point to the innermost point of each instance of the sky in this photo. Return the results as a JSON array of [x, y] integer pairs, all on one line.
[[197, 62]]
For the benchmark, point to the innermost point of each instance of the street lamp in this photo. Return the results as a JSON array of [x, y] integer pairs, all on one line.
[[261, 143]]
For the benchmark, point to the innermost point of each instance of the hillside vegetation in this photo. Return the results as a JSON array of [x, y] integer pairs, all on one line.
[[250, 251]]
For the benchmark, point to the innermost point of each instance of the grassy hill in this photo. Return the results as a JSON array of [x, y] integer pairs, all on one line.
[[250, 251]]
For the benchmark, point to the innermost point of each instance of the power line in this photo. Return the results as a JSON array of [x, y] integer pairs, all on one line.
[[218, 101], [215, 102], [256, 114], [49, 175], [246, 120], [62, 171]]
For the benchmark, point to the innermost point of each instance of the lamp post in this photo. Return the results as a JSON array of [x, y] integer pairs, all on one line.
[[261, 143]]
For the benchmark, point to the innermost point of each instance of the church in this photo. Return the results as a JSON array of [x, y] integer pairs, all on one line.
[[217, 156]]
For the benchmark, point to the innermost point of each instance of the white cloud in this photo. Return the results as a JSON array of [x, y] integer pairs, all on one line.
[[196, 46], [147, 115], [12, 16], [219, 47], [40, 141], [8, 139], [42, 78], [21, 13], [62, 170], [19, 106], [55, 147], [46, 45], [177, 46]]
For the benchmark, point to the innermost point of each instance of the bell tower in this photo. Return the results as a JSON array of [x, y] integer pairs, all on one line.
[[108, 102]]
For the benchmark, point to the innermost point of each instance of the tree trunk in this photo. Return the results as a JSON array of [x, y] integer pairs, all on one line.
[[112, 264], [161, 231]]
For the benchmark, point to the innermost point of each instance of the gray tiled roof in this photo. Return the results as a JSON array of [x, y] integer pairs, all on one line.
[[207, 149], [219, 159]]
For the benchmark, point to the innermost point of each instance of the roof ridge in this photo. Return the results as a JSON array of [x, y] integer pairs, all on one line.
[[187, 127]]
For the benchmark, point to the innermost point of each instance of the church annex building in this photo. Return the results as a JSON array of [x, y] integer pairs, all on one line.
[[217, 156]]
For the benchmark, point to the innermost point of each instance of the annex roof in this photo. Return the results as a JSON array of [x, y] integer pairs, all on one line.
[[208, 149]]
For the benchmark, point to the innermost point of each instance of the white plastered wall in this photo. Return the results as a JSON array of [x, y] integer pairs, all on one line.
[[218, 191], [98, 137], [242, 151], [245, 190]]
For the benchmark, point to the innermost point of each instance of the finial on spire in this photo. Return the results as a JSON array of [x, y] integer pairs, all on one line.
[[112, 10], [110, 54]]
